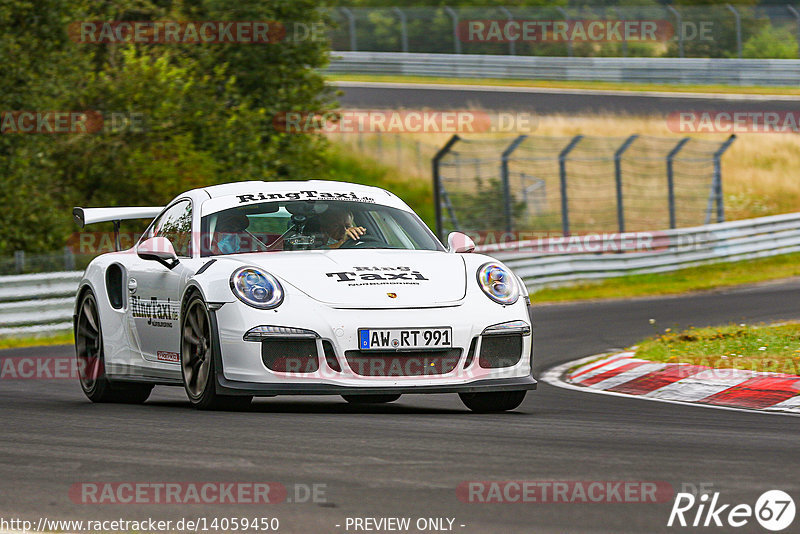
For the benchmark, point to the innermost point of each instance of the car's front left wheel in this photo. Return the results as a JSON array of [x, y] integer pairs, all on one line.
[[197, 361]]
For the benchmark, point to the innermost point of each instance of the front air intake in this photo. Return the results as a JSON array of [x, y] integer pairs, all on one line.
[[500, 351], [289, 355]]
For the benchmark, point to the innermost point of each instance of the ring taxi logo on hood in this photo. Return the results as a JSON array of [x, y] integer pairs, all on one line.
[[378, 275]]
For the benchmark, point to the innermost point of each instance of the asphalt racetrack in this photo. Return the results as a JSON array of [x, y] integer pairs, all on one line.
[[545, 101], [407, 459]]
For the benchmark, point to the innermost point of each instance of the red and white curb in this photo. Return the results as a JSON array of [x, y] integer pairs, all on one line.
[[624, 375]]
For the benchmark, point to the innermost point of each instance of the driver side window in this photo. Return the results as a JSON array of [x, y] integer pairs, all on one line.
[[176, 225]]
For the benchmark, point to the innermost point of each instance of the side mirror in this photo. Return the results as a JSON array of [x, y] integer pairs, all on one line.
[[158, 249], [459, 243]]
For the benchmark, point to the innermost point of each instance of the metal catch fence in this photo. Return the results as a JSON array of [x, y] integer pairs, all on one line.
[[577, 184]]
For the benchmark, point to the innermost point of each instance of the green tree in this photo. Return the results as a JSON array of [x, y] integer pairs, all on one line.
[[207, 110]]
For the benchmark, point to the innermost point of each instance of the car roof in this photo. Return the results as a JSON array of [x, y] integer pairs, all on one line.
[[224, 196]]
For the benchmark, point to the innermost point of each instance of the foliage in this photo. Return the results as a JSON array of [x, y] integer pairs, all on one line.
[[771, 43], [477, 207], [206, 110]]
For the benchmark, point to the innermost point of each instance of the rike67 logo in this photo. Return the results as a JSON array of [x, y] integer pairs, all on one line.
[[774, 510]]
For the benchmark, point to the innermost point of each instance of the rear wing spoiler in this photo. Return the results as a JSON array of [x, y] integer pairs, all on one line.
[[84, 216]]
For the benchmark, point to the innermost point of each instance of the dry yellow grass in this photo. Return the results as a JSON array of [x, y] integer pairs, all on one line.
[[760, 170]]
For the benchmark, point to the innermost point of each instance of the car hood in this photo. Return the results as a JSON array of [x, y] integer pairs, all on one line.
[[370, 278]]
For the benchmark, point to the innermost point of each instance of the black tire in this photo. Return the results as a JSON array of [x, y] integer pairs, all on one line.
[[197, 361], [371, 399], [497, 401], [91, 361]]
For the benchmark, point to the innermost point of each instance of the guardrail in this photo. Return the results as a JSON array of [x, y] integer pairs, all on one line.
[[696, 71], [555, 261], [42, 303], [33, 304]]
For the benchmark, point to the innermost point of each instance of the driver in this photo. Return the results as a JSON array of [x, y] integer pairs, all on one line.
[[338, 227], [230, 233]]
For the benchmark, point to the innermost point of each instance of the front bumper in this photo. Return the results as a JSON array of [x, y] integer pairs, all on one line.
[[241, 371]]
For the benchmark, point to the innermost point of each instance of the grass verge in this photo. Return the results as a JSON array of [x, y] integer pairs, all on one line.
[[555, 84], [704, 277], [40, 341], [749, 347]]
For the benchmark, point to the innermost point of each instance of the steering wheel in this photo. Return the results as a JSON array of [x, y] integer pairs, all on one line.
[[365, 240]]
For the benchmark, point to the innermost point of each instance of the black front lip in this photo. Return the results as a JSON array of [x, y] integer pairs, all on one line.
[[232, 387], [235, 387]]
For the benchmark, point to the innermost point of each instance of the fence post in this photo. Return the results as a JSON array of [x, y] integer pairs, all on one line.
[[679, 20], [624, 34], [19, 260], [509, 215], [562, 172], [738, 29], [618, 179], [718, 177], [671, 181], [454, 16], [351, 24], [512, 44], [403, 28], [437, 182], [796, 15], [69, 259], [564, 14], [398, 146]]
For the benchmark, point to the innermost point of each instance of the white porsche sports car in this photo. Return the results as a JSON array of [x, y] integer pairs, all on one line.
[[284, 288]]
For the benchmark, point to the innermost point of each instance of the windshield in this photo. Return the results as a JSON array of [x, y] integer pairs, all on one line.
[[312, 225]]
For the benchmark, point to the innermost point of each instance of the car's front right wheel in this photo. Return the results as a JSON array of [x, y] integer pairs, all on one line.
[[197, 361], [496, 401]]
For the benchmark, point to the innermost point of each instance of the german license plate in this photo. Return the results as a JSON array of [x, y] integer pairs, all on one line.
[[404, 338]]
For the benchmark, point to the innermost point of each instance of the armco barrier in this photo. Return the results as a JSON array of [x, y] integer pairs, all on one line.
[[42, 303], [32, 304], [695, 71], [673, 249]]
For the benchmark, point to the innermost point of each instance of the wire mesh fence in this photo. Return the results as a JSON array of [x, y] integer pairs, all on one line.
[[408, 155], [577, 184]]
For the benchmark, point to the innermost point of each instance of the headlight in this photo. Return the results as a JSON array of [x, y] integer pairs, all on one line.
[[498, 284], [256, 288]]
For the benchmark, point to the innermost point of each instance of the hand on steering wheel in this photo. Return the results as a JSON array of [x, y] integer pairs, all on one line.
[[354, 233], [362, 241]]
